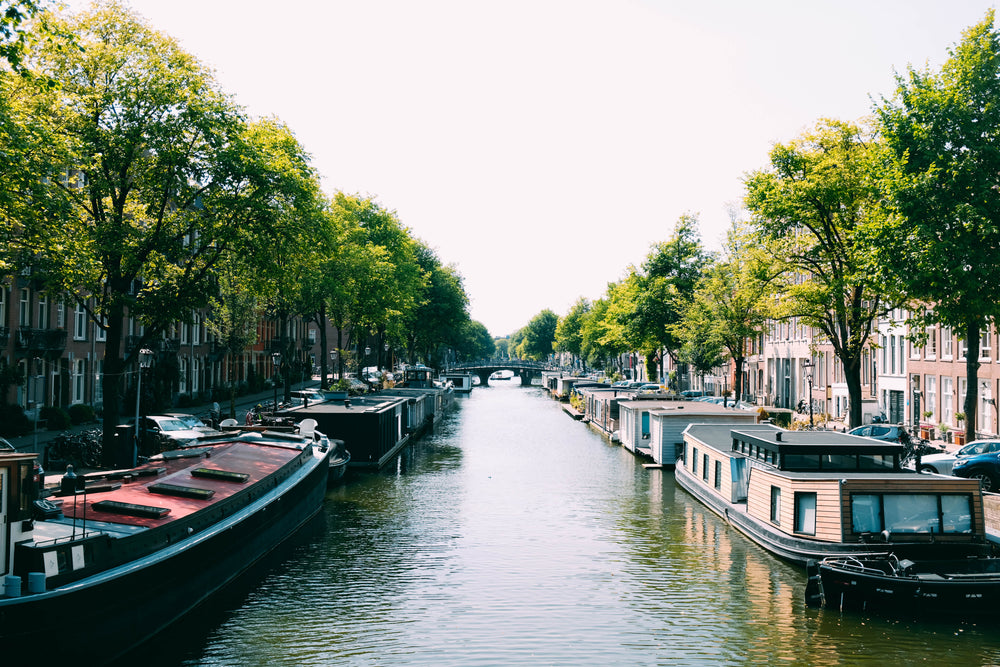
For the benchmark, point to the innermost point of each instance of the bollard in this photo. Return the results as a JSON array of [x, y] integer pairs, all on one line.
[[12, 586], [36, 582]]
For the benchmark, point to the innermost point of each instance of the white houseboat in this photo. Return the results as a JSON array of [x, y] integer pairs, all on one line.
[[816, 494]]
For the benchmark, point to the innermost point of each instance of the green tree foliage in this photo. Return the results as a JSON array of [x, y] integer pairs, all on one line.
[[809, 206], [649, 304], [569, 331], [942, 178], [475, 342], [441, 316], [601, 341], [731, 303], [140, 177], [538, 336]]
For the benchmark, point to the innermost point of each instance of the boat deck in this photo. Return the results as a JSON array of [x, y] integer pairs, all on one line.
[[156, 495]]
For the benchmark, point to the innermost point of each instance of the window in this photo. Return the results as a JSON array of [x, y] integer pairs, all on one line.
[[24, 310], [805, 512], [101, 330], [984, 344], [947, 400], [184, 333], [704, 467], [79, 374], [196, 330], [930, 386], [43, 312], [946, 343], [718, 475], [931, 349], [694, 461], [963, 348], [892, 355], [79, 323], [911, 513], [183, 369], [776, 505], [60, 315], [99, 381]]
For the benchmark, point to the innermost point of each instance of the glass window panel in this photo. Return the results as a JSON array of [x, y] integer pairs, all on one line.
[[840, 462], [866, 511], [875, 462], [917, 513], [801, 462], [956, 514], [805, 513]]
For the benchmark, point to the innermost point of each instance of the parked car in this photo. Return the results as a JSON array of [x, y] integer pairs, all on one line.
[[984, 467], [650, 388], [887, 432], [166, 432], [194, 423], [944, 463], [300, 396], [692, 393]]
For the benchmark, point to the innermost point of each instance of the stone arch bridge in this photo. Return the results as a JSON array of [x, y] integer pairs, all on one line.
[[526, 370]]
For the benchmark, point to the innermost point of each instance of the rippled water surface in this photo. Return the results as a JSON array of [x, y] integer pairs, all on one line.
[[513, 535]]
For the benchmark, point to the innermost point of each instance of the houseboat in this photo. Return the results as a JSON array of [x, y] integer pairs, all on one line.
[[115, 558], [462, 382], [816, 494], [373, 427], [667, 423]]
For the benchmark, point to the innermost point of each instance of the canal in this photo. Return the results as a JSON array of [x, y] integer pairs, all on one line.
[[513, 535]]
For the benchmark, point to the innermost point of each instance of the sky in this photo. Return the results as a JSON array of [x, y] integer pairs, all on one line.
[[543, 146]]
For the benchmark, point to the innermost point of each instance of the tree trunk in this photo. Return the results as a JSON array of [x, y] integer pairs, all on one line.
[[112, 378], [852, 374], [972, 329]]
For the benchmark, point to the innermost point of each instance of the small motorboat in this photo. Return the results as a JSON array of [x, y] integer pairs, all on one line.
[[885, 583]]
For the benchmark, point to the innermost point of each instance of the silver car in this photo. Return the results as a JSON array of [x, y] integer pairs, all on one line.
[[943, 463]]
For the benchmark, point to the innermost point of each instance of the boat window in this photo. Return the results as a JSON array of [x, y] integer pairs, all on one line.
[[805, 512], [839, 462], [694, 461], [801, 462], [875, 462], [776, 505], [866, 513], [718, 475], [911, 513], [956, 514], [704, 467]]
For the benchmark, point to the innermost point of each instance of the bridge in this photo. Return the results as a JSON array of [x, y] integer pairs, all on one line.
[[526, 370]]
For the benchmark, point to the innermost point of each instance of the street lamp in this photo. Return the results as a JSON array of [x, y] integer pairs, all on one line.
[[276, 360], [333, 362], [809, 365], [145, 360]]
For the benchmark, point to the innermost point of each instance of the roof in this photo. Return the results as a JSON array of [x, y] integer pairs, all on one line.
[[721, 436]]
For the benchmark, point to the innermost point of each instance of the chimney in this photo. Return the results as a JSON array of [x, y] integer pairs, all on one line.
[[777, 436]]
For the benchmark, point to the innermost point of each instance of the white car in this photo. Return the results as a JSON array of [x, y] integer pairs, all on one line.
[[943, 463]]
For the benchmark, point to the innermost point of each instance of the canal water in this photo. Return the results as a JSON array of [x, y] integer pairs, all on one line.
[[513, 535]]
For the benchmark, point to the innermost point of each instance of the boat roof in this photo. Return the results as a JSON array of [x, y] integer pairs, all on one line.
[[722, 436], [241, 462]]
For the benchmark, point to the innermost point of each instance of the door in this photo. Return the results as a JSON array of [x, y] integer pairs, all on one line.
[[741, 478]]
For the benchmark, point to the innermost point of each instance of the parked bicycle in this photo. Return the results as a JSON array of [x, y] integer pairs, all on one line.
[[82, 449]]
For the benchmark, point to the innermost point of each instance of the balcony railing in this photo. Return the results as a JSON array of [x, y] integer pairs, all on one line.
[[41, 340]]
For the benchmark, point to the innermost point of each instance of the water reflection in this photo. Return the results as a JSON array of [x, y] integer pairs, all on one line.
[[514, 536]]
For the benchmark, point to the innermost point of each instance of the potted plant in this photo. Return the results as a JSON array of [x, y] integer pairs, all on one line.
[[944, 430], [338, 390], [959, 432]]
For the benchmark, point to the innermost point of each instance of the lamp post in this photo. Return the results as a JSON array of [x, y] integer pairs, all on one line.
[[333, 362], [809, 366], [915, 407], [368, 351], [276, 360], [145, 359]]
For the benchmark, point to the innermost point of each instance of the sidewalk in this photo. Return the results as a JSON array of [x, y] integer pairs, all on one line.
[[37, 442]]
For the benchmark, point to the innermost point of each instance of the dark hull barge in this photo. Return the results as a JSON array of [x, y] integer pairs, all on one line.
[[889, 585], [116, 560]]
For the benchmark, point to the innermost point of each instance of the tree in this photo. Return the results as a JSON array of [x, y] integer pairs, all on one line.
[[601, 338], [651, 301], [809, 206], [569, 331], [441, 315], [539, 336], [144, 176], [733, 300], [941, 176]]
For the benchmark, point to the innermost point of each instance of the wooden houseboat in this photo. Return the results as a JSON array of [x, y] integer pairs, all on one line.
[[116, 558], [816, 494], [668, 422]]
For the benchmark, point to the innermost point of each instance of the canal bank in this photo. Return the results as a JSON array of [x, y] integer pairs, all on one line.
[[514, 535]]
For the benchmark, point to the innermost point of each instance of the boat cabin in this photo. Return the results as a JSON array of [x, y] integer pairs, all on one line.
[[667, 421], [462, 382]]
